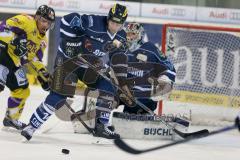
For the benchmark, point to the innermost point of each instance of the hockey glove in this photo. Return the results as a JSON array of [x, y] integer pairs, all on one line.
[[112, 46], [44, 84], [20, 46]]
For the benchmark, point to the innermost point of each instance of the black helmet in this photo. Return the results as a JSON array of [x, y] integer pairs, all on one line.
[[118, 13], [46, 12]]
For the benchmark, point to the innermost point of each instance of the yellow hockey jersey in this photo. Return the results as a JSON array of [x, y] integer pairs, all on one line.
[[25, 25]]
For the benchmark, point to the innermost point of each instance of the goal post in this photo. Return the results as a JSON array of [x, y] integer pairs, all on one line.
[[206, 58]]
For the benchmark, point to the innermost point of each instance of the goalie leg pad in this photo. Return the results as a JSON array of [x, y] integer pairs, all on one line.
[[87, 113]]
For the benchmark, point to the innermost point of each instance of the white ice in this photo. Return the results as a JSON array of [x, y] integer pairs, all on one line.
[[55, 135]]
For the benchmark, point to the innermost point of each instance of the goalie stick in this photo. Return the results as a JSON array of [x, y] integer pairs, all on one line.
[[181, 134], [90, 130], [125, 147]]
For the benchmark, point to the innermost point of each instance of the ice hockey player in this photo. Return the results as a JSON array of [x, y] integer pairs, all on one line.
[[152, 86], [23, 41], [92, 35]]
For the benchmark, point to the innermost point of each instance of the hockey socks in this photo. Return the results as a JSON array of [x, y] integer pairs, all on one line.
[[42, 113]]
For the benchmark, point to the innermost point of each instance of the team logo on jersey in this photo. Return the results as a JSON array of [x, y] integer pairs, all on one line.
[[75, 22], [69, 51]]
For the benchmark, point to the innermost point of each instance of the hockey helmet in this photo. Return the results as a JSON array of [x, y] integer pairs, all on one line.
[[118, 13], [46, 12]]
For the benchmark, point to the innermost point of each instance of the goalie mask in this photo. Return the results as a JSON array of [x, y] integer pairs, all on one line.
[[135, 33]]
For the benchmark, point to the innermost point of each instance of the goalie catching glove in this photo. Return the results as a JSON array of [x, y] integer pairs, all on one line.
[[45, 84], [161, 87]]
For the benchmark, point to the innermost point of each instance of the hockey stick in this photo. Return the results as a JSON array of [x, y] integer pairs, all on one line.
[[35, 69], [125, 147], [181, 134]]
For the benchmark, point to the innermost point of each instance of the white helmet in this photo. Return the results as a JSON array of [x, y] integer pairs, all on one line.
[[136, 28], [135, 34]]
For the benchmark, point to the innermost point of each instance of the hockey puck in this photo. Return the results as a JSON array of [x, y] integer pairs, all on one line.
[[65, 151]]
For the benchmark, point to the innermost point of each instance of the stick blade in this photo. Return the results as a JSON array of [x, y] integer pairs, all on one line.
[[200, 133], [122, 145]]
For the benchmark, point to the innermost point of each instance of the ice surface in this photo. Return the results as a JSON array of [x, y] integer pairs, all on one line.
[[55, 135]]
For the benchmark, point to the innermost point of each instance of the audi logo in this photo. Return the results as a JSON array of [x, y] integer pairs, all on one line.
[[18, 1], [234, 16]]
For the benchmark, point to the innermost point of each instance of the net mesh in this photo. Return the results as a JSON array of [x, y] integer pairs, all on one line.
[[207, 65]]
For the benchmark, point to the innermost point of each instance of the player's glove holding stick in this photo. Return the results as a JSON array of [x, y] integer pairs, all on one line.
[[42, 74], [114, 45], [43, 78]]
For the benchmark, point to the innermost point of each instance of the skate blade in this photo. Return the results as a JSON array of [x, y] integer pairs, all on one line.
[[24, 140], [10, 129]]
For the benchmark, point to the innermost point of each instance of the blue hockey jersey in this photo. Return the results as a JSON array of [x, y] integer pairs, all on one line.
[[92, 32], [88, 35]]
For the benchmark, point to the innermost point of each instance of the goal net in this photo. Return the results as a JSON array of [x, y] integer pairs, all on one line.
[[207, 62]]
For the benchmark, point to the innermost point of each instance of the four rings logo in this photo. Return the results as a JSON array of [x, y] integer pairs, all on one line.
[[234, 16]]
